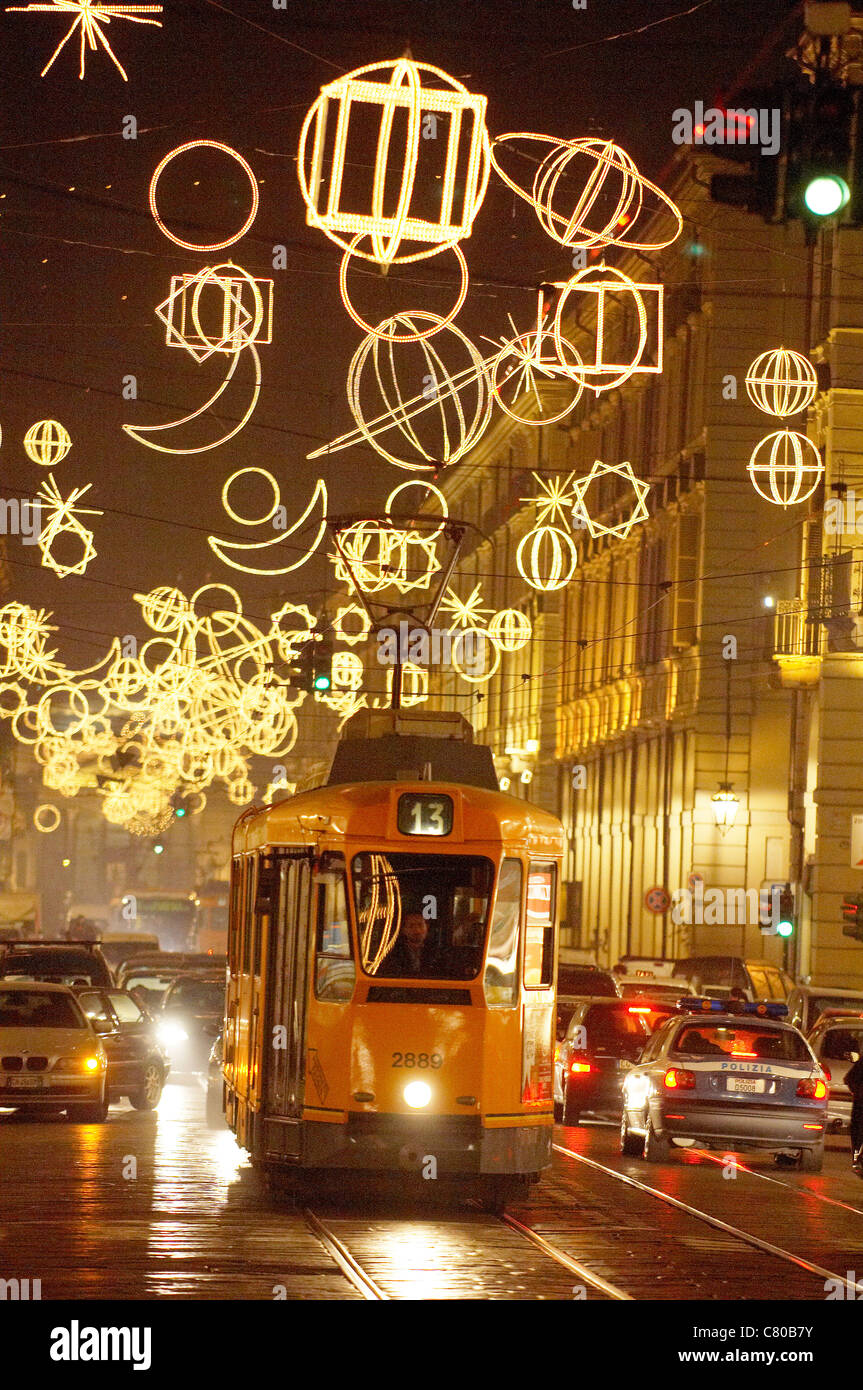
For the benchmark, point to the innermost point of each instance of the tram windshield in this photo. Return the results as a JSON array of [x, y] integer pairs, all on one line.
[[422, 916]]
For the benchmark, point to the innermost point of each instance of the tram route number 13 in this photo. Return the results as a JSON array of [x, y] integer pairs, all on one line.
[[417, 1059]]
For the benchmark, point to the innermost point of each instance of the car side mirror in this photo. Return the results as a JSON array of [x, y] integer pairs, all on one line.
[[101, 1025]]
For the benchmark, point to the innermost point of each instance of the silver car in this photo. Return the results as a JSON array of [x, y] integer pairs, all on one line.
[[725, 1077]]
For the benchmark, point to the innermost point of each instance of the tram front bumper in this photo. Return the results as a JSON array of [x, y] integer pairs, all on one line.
[[459, 1144]]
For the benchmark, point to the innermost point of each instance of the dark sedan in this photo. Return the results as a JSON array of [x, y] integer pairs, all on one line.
[[603, 1039], [192, 1012], [137, 1064]]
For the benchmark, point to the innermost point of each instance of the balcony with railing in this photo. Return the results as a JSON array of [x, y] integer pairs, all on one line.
[[798, 642]]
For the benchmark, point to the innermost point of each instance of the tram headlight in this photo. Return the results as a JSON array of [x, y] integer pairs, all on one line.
[[417, 1095]]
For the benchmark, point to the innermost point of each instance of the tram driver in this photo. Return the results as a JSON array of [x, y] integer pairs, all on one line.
[[413, 954]]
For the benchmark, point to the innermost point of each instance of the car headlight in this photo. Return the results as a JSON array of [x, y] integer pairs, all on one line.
[[170, 1033]]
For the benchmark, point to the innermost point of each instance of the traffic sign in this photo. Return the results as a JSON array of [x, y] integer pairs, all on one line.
[[857, 842], [657, 899]]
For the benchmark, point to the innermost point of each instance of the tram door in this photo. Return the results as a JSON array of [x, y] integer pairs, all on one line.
[[287, 972]]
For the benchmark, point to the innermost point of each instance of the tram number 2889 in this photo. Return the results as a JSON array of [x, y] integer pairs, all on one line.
[[417, 1059]]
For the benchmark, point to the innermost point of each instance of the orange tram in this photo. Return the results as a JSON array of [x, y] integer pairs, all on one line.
[[391, 959]]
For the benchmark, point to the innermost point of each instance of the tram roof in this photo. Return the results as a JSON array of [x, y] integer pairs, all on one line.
[[364, 811]]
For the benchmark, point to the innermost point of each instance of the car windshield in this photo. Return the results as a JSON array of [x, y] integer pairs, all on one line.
[[745, 1042], [154, 984], [23, 1008], [840, 1043], [577, 979], [201, 996], [422, 916]]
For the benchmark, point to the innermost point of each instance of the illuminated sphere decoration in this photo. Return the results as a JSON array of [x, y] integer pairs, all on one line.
[[253, 186], [546, 558], [604, 283], [46, 817], [781, 383], [439, 413], [47, 442], [431, 138], [510, 629], [589, 193], [790, 466]]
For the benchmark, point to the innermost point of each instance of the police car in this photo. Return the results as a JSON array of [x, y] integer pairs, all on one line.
[[726, 1076]]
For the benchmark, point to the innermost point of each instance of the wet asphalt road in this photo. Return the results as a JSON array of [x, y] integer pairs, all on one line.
[[155, 1205]]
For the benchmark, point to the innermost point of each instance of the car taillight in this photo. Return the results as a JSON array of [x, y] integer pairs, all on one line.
[[578, 1068], [827, 1072], [812, 1087], [678, 1079]]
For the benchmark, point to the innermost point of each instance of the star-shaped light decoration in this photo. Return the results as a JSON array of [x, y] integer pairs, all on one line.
[[580, 514], [89, 16], [553, 500], [60, 517], [467, 612]]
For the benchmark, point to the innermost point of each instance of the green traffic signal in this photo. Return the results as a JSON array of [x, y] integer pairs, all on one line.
[[322, 681], [826, 194], [784, 928]]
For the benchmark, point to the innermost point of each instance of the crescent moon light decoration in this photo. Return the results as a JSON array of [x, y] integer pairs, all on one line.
[[253, 548]]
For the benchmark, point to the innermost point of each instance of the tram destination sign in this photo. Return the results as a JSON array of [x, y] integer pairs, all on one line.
[[424, 813]]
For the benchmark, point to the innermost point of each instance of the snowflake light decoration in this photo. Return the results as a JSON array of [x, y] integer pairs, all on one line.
[[61, 518], [620, 528], [465, 613], [554, 501], [89, 16]]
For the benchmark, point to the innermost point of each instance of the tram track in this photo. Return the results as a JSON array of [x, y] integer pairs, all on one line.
[[853, 1288], [347, 1263]]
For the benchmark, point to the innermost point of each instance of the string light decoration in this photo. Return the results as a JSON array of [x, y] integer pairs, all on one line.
[[480, 642], [375, 555], [241, 324], [227, 551], [47, 442], [401, 94], [411, 337], [781, 382], [611, 190], [141, 433], [198, 145], [415, 686], [510, 629], [46, 817], [546, 556], [351, 610], [600, 470], [525, 357], [347, 669], [430, 490], [787, 462], [436, 392], [198, 701], [61, 518], [465, 613], [89, 16], [601, 282]]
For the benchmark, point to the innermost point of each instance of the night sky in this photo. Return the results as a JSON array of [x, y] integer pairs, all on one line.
[[83, 265]]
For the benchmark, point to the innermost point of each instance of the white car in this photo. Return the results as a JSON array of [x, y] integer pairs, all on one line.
[[837, 1043], [50, 1057]]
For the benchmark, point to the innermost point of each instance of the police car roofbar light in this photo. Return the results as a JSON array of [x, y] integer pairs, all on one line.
[[697, 1005]]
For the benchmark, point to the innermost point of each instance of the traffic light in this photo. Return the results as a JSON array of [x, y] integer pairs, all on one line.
[[787, 913], [313, 669], [852, 915], [819, 173], [761, 189], [809, 173]]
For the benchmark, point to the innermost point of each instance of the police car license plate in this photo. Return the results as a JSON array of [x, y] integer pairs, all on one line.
[[750, 1084], [25, 1083]]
